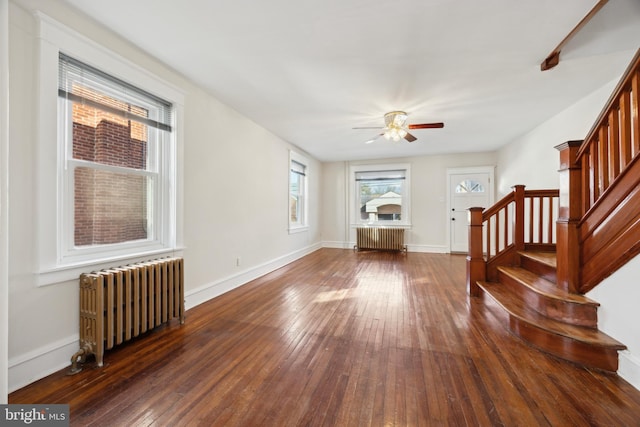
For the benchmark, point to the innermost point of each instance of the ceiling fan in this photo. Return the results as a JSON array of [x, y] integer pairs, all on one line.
[[396, 127]]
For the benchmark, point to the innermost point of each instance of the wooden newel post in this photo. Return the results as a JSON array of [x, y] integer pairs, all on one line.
[[476, 265], [569, 214]]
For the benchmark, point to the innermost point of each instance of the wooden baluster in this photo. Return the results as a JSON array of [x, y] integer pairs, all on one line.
[[476, 266], [530, 240], [635, 108], [505, 231], [614, 145], [540, 218], [550, 222], [518, 232], [626, 152], [489, 253], [569, 215], [603, 167], [595, 174]]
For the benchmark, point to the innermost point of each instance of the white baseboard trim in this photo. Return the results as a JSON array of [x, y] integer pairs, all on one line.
[[338, 245], [410, 248], [43, 361], [629, 368], [428, 249], [211, 290], [38, 363]]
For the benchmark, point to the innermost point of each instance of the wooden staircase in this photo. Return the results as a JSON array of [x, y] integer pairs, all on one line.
[[558, 322], [535, 253]]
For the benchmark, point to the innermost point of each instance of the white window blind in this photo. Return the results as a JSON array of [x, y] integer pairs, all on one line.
[[390, 175], [87, 85]]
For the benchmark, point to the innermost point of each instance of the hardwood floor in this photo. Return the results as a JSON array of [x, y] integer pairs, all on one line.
[[340, 338]]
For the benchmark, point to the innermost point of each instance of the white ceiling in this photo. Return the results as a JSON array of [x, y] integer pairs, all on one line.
[[311, 70]]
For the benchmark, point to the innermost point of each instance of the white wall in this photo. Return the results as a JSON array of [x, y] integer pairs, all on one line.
[[4, 162], [236, 195], [429, 217], [232, 191], [533, 161], [618, 316]]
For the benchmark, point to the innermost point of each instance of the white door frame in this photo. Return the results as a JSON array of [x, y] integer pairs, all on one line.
[[467, 170]]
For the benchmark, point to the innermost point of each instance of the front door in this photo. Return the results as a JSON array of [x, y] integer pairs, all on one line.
[[466, 190]]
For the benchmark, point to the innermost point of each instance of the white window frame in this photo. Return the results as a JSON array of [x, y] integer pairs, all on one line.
[[57, 259], [303, 224], [405, 221]]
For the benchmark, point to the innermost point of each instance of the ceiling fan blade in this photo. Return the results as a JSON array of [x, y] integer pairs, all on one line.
[[368, 127], [426, 126], [410, 137], [369, 141]]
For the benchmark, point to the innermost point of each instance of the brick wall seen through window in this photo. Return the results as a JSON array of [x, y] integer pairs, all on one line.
[[109, 207]]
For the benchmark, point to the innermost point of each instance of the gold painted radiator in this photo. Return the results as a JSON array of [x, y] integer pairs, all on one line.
[[118, 304], [380, 238]]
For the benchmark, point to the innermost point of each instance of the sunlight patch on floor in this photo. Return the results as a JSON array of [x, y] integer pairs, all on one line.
[[329, 296]]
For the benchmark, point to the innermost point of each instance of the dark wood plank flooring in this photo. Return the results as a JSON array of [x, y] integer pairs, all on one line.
[[340, 338]]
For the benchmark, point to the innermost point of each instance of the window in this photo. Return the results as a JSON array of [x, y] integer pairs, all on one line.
[[297, 192], [107, 185], [381, 195], [114, 136], [469, 186]]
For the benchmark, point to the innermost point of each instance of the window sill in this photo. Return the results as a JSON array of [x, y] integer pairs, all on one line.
[[69, 272], [294, 230], [382, 225]]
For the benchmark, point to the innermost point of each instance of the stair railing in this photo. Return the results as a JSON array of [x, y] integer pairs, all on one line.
[[614, 141], [598, 208], [599, 221], [523, 219]]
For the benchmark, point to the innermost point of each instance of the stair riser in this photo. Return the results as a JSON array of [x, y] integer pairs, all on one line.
[[568, 349], [565, 348], [543, 270], [562, 310]]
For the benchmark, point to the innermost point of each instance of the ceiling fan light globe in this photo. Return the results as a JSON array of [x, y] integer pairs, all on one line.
[[400, 119], [395, 119]]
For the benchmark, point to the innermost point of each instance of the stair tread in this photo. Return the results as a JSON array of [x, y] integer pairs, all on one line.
[[543, 257], [514, 305], [543, 286]]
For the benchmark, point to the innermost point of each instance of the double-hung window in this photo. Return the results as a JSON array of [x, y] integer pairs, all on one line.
[[381, 195], [115, 147], [108, 158], [297, 192]]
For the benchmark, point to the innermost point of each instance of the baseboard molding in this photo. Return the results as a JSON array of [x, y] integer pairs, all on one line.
[[629, 368], [36, 364], [410, 248], [338, 245], [39, 363], [43, 361], [428, 249], [211, 290]]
